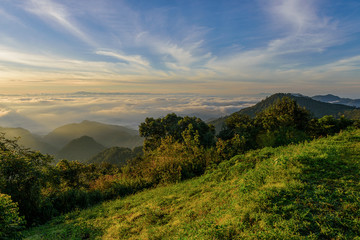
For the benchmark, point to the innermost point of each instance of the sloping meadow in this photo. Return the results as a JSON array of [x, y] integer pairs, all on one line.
[[304, 191]]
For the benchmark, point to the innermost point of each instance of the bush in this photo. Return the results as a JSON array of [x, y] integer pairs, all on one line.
[[23, 173], [10, 222]]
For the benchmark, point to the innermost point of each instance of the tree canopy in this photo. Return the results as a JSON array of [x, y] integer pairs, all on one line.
[[172, 125]]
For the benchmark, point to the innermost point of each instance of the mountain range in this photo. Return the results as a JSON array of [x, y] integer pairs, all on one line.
[[329, 98], [77, 141], [93, 141], [105, 134]]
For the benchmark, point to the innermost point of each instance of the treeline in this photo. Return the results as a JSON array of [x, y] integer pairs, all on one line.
[[282, 123], [175, 148]]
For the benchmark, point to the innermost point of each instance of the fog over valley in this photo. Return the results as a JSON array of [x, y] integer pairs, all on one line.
[[41, 113]]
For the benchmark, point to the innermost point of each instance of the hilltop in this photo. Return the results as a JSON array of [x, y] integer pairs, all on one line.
[[304, 191], [317, 108], [80, 149]]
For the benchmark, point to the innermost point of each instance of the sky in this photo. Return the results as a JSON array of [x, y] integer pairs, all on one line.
[[194, 46], [138, 49]]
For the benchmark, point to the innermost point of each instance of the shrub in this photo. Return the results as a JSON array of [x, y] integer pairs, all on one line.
[[10, 222]]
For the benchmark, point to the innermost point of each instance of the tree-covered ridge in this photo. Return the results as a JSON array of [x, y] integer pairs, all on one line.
[[80, 149], [282, 123], [317, 109]]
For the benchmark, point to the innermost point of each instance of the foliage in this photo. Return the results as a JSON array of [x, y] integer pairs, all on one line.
[[118, 156], [23, 173], [10, 221], [42, 190], [172, 125], [305, 191], [173, 160], [280, 124], [317, 109], [352, 114]]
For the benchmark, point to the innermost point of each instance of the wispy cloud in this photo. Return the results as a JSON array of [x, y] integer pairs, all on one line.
[[305, 29], [57, 13], [300, 30], [137, 59], [170, 47]]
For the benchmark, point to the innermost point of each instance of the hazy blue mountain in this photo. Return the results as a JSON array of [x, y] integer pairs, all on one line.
[[317, 108], [329, 98], [105, 134], [28, 140], [80, 149], [13, 119]]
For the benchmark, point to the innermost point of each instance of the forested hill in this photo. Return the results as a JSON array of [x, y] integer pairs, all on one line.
[[317, 108], [80, 149]]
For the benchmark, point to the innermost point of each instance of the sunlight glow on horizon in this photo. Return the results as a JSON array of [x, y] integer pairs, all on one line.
[[204, 47]]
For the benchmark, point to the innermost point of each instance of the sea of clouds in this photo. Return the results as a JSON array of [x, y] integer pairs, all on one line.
[[42, 113]]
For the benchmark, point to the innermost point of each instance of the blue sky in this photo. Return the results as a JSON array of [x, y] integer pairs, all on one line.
[[205, 47]]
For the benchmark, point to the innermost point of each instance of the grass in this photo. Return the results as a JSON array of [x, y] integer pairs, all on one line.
[[305, 191]]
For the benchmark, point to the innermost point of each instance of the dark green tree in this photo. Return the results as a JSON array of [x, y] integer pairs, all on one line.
[[282, 123], [154, 130], [23, 173], [238, 135]]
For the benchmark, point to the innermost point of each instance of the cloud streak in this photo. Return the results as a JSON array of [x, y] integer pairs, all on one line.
[[137, 59], [55, 12]]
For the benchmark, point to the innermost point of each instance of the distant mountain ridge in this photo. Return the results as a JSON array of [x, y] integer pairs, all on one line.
[[329, 98], [64, 141], [28, 140], [105, 134], [317, 108]]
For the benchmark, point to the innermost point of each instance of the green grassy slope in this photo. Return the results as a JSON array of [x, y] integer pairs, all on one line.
[[305, 191]]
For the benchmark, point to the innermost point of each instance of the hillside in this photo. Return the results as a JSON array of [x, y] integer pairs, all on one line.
[[304, 191], [80, 149], [115, 155], [317, 108], [28, 140], [105, 134]]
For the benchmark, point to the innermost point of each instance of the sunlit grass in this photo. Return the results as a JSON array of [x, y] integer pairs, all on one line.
[[304, 191]]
